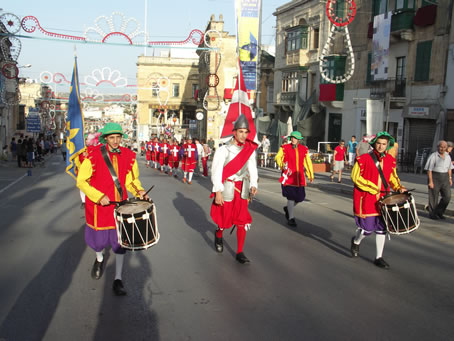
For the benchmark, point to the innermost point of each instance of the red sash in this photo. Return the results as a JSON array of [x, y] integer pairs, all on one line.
[[238, 162]]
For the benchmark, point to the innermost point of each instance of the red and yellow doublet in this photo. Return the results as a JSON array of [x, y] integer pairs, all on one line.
[[298, 161], [95, 181], [368, 185]]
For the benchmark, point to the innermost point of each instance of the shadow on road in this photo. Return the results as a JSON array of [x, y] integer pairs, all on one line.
[[318, 233], [195, 217], [34, 309], [129, 317]]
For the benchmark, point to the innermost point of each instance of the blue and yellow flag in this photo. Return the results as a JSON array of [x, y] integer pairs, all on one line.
[[75, 142]]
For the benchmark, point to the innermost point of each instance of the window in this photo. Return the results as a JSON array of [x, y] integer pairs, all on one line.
[[270, 93], [335, 66], [379, 7], [176, 90], [369, 68], [21, 118], [195, 87], [400, 68], [155, 89], [297, 39], [405, 4], [316, 34], [422, 66], [290, 81]]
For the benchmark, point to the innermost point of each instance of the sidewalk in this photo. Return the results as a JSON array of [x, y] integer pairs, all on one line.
[[416, 183]]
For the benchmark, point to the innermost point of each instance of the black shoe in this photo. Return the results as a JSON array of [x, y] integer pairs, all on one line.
[[441, 216], [380, 262], [241, 257], [82, 206], [98, 269], [218, 244], [286, 212], [118, 288], [354, 248], [433, 217], [292, 222]]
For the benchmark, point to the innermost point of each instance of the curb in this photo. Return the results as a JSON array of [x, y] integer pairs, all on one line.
[[275, 176]]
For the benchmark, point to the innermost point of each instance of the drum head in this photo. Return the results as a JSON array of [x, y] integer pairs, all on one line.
[[133, 206], [395, 198]]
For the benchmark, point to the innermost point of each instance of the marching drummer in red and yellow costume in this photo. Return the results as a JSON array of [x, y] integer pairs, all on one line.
[[293, 159], [368, 190], [96, 181]]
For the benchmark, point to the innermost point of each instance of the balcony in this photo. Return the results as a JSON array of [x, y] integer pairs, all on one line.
[[402, 20], [395, 87], [288, 97]]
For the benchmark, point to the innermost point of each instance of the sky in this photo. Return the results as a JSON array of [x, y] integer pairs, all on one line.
[[169, 20]]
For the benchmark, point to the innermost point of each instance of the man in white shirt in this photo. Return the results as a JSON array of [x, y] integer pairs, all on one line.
[[265, 149], [439, 173], [234, 176]]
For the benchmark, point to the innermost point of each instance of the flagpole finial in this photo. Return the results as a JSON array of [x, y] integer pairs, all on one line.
[[75, 51]]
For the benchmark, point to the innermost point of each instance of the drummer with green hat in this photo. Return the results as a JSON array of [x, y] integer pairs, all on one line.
[[368, 190], [294, 160], [103, 164]]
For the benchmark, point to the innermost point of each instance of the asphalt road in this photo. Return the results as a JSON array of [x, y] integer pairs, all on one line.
[[301, 283]]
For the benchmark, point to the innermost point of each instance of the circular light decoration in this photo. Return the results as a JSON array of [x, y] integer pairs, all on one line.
[[11, 22], [11, 47], [212, 37], [332, 11], [45, 77], [10, 70], [212, 80]]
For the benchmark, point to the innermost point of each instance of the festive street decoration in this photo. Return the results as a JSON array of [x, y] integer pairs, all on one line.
[[10, 70], [211, 99], [195, 36], [339, 27], [11, 22], [11, 47], [106, 75], [30, 24]]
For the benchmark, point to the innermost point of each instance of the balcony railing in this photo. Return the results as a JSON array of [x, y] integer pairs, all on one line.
[[402, 20], [393, 86], [288, 97]]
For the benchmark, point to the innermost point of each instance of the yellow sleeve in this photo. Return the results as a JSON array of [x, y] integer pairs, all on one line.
[[394, 181], [308, 167], [132, 181], [280, 158], [361, 183], [83, 178]]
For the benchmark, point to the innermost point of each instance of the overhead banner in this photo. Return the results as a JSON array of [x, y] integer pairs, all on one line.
[[248, 13], [380, 46]]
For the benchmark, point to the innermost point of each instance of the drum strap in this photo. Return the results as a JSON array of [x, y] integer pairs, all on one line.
[[112, 170], [380, 171]]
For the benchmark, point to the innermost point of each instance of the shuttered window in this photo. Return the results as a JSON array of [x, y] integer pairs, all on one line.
[[423, 54]]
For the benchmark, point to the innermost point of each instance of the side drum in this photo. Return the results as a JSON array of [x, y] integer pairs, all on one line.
[[398, 211], [136, 222]]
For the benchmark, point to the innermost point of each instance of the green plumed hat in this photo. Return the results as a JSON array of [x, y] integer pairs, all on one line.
[[109, 129], [386, 135], [296, 134]]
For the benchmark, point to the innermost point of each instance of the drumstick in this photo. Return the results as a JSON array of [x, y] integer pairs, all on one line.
[[148, 190]]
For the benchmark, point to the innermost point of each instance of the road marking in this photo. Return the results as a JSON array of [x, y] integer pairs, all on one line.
[[14, 182]]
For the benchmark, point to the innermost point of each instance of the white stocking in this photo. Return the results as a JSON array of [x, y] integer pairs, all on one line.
[[359, 236], [119, 265], [82, 196], [290, 207], [99, 256], [185, 174], [190, 176], [380, 244]]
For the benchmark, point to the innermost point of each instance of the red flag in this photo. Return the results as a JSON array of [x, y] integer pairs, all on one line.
[[239, 105]]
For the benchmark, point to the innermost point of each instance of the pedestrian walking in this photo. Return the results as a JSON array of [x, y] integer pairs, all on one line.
[[96, 179], [294, 160], [63, 149], [13, 149], [368, 189], [339, 159], [205, 155], [351, 146], [234, 176], [265, 144], [439, 177]]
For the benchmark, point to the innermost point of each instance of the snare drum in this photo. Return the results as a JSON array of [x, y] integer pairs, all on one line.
[[137, 226], [398, 211]]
